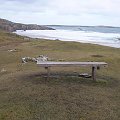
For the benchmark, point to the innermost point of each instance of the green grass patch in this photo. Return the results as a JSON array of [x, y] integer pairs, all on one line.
[[26, 94]]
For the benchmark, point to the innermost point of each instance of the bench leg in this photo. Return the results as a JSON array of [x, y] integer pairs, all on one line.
[[94, 73], [48, 72]]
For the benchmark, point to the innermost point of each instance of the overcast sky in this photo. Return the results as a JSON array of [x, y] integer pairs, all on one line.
[[62, 12]]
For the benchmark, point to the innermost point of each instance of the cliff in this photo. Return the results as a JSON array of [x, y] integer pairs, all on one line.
[[11, 26]]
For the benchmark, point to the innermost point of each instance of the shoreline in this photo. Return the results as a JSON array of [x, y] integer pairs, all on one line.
[[61, 35], [113, 45]]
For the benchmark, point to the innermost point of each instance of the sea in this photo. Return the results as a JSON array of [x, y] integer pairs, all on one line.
[[101, 35]]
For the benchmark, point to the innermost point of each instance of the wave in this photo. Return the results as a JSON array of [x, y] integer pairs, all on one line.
[[106, 39]]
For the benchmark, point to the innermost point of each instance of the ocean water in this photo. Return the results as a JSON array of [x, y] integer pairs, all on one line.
[[102, 35]]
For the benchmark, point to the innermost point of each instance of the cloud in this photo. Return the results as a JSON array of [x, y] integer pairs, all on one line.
[[86, 6], [87, 12], [19, 6], [64, 6], [23, 1]]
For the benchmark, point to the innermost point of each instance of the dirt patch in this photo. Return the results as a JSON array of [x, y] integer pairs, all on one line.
[[97, 55]]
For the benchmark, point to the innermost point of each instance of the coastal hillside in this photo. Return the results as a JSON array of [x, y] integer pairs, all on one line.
[[26, 94], [11, 26]]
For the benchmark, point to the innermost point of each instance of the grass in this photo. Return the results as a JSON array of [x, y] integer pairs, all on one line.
[[25, 95]]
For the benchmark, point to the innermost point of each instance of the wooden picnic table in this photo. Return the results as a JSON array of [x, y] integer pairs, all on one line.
[[93, 65]]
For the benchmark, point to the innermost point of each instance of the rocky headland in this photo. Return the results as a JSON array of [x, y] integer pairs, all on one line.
[[11, 26]]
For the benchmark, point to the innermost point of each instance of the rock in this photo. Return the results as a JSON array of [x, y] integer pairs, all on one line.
[[11, 26], [85, 75], [34, 59], [29, 59], [3, 70], [42, 58], [12, 50]]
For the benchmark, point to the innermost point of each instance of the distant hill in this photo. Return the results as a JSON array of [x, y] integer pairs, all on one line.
[[11, 26]]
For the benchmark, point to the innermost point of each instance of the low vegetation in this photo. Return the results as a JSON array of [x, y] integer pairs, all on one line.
[[26, 95]]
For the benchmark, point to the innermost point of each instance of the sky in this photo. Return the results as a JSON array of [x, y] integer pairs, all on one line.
[[62, 12]]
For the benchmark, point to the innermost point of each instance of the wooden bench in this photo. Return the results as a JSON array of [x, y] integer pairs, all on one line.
[[93, 65]]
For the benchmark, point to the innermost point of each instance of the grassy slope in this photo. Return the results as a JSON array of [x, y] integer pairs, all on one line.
[[24, 94]]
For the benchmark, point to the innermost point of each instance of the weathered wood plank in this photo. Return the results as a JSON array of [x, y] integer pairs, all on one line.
[[94, 73], [65, 64], [93, 65]]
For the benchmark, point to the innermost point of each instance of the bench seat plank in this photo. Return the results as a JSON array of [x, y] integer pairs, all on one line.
[[65, 64]]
